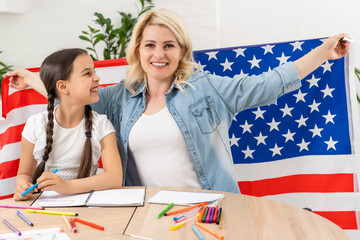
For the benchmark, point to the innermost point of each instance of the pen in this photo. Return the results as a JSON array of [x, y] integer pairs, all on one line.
[[24, 218], [197, 232], [165, 210], [21, 207], [185, 209], [180, 224], [218, 235], [12, 227], [51, 212], [89, 223], [67, 222], [73, 226], [187, 216], [35, 185]]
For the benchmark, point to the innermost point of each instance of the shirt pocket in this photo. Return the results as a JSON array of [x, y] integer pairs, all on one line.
[[205, 114]]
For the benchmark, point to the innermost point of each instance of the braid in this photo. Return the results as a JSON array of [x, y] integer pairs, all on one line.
[[49, 132], [85, 165]]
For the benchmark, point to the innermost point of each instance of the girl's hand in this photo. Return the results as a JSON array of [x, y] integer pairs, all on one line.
[[335, 48], [22, 187], [51, 182]]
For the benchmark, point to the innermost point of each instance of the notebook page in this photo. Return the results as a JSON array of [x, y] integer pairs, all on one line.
[[117, 197], [185, 198], [54, 199]]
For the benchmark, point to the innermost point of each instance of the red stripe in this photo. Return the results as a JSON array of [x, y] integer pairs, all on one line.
[[326, 183], [7, 196], [345, 220], [110, 63], [4, 96], [9, 169], [24, 98], [11, 135]]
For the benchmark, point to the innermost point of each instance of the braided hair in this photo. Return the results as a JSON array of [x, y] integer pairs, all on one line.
[[58, 66]]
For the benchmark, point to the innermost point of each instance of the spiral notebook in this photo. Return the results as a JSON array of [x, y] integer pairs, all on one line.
[[186, 197]]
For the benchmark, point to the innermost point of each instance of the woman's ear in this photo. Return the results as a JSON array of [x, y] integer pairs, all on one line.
[[62, 87]]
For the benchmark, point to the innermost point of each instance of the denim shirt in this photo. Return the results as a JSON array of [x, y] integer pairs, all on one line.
[[203, 113]]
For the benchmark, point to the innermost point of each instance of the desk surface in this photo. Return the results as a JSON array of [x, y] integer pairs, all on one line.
[[245, 217]]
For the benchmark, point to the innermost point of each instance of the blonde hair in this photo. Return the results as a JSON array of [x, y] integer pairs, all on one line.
[[135, 73]]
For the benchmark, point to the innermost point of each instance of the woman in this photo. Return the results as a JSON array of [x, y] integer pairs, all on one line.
[[171, 122]]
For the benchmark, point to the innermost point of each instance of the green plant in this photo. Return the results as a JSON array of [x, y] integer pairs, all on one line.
[[114, 39], [357, 73], [3, 70]]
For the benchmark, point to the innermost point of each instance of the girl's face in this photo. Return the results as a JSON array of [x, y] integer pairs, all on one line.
[[83, 82], [159, 53]]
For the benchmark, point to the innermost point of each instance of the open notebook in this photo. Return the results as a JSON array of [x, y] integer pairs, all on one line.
[[109, 198]]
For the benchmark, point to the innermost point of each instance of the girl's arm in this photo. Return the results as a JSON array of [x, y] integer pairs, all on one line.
[[110, 178], [26, 170]]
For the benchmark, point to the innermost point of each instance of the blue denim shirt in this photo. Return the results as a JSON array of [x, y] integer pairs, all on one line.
[[204, 115]]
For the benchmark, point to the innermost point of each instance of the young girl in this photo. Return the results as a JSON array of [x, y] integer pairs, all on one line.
[[70, 137]]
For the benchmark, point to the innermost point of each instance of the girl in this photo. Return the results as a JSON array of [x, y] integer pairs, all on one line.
[[70, 137]]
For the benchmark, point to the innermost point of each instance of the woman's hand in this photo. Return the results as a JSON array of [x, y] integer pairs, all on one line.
[[336, 48], [22, 78], [52, 182]]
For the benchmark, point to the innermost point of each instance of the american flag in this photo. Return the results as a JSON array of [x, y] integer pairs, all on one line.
[[298, 151]]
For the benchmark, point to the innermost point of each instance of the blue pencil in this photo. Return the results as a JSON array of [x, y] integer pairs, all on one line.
[[35, 185]]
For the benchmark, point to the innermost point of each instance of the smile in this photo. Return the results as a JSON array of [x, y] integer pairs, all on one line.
[[159, 64]]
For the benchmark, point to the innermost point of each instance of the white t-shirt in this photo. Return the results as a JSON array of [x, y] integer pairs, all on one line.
[[68, 143], [160, 152]]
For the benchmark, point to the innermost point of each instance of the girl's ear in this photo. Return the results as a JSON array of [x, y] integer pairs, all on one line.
[[62, 87]]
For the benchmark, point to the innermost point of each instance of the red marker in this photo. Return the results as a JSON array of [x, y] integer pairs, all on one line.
[[73, 226]]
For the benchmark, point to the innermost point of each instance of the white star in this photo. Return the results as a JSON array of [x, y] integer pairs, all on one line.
[[314, 106], [328, 91], [276, 150], [331, 143], [212, 55], [269, 70], [303, 145], [302, 121], [254, 62], [327, 66], [268, 49], [286, 110], [240, 51], [289, 136], [260, 139], [316, 131], [300, 96], [297, 45], [248, 152], [234, 140], [241, 74], [246, 127], [329, 117], [200, 67], [273, 125], [234, 119], [227, 65], [313, 81], [258, 113], [283, 59]]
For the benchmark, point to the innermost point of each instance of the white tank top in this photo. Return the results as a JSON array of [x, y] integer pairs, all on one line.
[[161, 155]]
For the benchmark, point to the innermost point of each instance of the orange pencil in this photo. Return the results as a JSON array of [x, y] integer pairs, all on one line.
[[218, 235], [89, 224], [185, 209], [201, 214]]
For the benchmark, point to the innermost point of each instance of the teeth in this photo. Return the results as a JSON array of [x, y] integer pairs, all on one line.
[[94, 90], [159, 64]]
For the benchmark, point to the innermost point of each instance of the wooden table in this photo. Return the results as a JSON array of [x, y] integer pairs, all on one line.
[[245, 217]]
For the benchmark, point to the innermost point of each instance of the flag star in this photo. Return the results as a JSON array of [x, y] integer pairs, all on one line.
[[300, 96], [246, 127], [212, 55], [276, 150], [269, 70], [227, 65], [200, 67], [327, 66], [248, 152], [241, 74], [254, 62], [316, 131], [289, 136], [331, 143], [297, 45], [303, 145], [313, 81], [329, 117], [258, 113], [268, 49], [273, 125], [283, 59], [234, 119], [260, 139], [239, 51], [314, 106], [328, 91], [301, 121], [234, 140], [286, 110]]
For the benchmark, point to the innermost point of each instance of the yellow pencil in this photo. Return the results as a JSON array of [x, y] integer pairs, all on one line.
[[51, 212]]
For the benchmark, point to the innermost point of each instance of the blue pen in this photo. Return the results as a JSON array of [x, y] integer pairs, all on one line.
[[35, 185], [197, 232], [24, 218]]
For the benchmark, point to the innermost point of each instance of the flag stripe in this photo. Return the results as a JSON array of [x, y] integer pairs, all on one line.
[[9, 169], [10, 152], [7, 187], [11, 135], [23, 98], [345, 220]]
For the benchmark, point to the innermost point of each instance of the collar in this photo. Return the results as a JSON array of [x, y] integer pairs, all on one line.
[[142, 89]]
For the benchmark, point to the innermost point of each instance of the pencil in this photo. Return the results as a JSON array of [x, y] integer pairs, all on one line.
[[221, 219], [89, 224]]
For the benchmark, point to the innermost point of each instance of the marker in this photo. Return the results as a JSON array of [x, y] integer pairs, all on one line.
[[51, 212], [218, 235], [221, 219], [165, 210], [215, 214], [21, 207], [218, 216], [12, 227], [24, 218], [73, 226], [67, 222], [89, 223], [201, 214], [178, 225], [197, 232], [188, 215], [185, 209], [205, 214], [210, 215], [35, 185]]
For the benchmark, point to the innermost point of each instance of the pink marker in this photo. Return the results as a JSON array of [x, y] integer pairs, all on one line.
[[21, 207]]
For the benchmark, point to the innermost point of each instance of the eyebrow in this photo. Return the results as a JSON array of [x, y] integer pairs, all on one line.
[[86, 69], [169, 41]]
